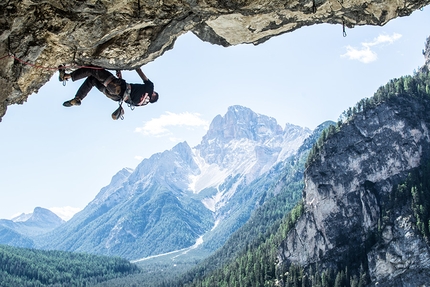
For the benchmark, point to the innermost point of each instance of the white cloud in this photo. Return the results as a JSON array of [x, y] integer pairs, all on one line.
[[139, 157], [65, 212], [159, 126], [383, 39], [365, 54]]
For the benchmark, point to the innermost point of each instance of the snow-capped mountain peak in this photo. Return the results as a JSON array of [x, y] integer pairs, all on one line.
[[238, 148]]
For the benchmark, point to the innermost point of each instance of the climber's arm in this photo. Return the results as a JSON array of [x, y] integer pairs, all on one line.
[[142, 75]]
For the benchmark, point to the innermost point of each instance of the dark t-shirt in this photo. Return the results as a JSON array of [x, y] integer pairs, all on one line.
[[138, 91]]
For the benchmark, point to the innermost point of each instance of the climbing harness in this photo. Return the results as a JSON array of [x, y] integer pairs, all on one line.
[[119, 113], [126, 97], [108, 80]]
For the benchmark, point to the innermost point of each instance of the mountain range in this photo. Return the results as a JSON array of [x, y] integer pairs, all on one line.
[[185, 195], [19, 230]]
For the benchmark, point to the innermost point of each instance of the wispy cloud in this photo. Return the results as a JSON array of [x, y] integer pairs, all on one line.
[[364, 54], [160, 126]]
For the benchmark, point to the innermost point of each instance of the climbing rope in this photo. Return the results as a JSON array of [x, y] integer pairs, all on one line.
[[62, 67]]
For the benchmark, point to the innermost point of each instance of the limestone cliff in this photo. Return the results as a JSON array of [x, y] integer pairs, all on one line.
[[124, 34], [347, 189]]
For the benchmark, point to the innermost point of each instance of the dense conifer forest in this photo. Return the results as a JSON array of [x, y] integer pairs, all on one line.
[[21, 267]]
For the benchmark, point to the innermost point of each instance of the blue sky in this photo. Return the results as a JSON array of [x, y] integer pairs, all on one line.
[[56, 157]]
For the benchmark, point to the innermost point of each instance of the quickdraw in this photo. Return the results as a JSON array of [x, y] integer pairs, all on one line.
[[343, 24]]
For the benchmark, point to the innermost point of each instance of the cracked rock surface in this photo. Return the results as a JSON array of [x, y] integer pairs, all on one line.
[[124, 34]]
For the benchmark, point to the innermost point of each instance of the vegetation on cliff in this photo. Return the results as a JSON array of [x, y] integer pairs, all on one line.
[[415, 191], [416, 86]]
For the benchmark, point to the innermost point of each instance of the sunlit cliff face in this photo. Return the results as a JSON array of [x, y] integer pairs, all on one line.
[[124, 34]]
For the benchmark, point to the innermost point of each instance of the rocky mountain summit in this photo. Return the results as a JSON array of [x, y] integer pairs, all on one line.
[[20, 229], [37, 36]]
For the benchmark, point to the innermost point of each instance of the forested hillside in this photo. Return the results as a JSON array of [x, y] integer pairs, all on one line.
[[21, 267]]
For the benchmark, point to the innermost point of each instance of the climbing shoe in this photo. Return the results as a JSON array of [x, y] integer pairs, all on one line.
[[62, 73], [72, 102], [118, 114]]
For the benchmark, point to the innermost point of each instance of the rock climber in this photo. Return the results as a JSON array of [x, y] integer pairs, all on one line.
[[115, 88]]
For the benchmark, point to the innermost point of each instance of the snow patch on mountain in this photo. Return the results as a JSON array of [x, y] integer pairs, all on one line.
[[22, 217], [210, 174], [216, 224], [211, 202]]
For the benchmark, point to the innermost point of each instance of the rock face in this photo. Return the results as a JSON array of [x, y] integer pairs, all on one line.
[[126, 34], [346, 187], [403, 257]]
